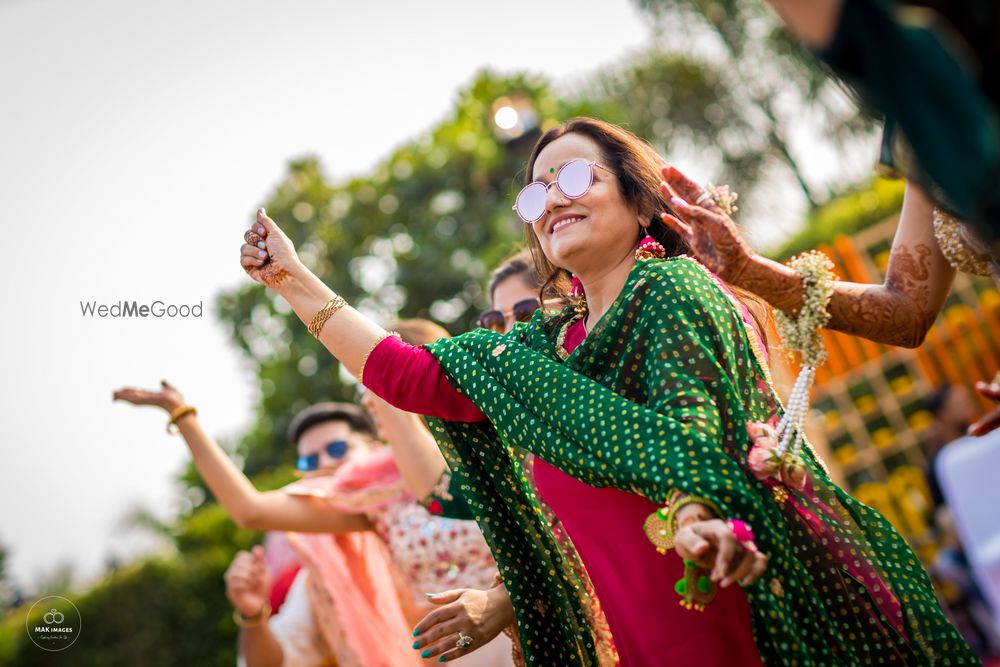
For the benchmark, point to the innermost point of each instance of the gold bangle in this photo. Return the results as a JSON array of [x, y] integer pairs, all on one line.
[[177, 414], [364, 359], [255, 620], [325, 313], [661, 526]]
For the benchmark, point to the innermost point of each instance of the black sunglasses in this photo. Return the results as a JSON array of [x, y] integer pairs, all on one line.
[[496, 320]]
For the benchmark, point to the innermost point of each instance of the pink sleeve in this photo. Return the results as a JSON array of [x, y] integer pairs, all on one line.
[[410, 378]]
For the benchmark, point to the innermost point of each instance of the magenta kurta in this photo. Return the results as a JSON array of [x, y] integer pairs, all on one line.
[[634, 583]]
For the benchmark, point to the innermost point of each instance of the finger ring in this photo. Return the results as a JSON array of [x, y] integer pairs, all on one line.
[[463, 640], [705, 195], [251, 237], [743, 533]]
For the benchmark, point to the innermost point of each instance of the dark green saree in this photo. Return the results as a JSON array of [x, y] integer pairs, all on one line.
[[657, 398]]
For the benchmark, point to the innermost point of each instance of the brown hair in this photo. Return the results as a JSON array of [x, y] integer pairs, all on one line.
[[638, 170], [356, 419], [417, 331], [518, 264]]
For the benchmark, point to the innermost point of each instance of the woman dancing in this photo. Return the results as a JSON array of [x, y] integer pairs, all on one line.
[[636, 404]]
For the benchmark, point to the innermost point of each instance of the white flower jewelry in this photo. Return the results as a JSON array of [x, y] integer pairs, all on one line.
[[777, 452], [722, 196]]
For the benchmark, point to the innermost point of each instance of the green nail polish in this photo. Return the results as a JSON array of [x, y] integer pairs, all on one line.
[[426, 654], [416, 632], [416, 644]]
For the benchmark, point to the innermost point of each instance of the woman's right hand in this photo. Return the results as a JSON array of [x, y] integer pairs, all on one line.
[[713, 546], [268, 255]]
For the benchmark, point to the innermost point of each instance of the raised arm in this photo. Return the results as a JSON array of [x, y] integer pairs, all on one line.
[[414, 448], [269, 257], [269, 510], [898, 312]]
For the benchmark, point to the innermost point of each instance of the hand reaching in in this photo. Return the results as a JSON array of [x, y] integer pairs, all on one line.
[[714, 547], [712, 234], [991, 420], [480, 615]]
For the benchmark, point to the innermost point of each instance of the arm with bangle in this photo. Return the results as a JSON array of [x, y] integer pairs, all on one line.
[[898, 312], [268, 510]]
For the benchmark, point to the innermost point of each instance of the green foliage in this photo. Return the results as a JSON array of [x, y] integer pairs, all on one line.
[[847, 214], [162, 611]]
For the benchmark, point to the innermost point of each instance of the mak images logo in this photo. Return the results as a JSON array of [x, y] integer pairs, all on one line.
[[53, 623]]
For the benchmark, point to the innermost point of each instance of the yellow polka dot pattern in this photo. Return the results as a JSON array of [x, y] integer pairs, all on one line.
[[657, 398]]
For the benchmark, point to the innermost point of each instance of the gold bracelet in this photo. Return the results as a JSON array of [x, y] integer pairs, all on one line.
[[364, 359], [325, 313], [255, 620], [177, 414], [661, 526]]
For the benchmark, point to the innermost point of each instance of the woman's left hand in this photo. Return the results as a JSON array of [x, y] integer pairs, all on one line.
[[167, 397], [713, 546], [481, 615], [712, 235]]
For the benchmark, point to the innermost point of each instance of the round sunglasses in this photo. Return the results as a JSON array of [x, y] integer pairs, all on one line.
[[573, 180], [310, 463]]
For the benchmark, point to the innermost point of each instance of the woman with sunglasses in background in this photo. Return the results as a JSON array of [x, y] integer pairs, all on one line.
[[386, 552], [514, 290], [636, 402]]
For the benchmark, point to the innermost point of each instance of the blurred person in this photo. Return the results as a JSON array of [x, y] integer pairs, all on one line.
[[366, 581], [928, 67], [952, 408], [636, 402]]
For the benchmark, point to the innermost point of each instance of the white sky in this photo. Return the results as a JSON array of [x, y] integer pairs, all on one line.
[[136, 138]]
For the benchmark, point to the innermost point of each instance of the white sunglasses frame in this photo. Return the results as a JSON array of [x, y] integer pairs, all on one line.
[[555, 182]]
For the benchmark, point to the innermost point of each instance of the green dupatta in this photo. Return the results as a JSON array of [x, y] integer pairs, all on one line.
[[657, 398]]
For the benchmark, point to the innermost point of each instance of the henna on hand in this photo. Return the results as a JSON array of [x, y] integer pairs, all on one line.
[[269, 274]]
